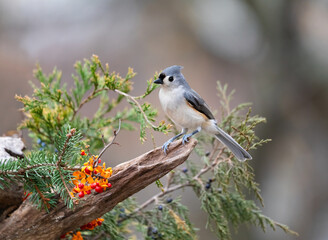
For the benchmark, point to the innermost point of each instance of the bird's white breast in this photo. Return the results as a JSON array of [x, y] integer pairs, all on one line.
[[170, 99], [178, 110]]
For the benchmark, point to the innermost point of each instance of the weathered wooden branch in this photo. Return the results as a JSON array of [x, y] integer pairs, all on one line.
[[128, 178]]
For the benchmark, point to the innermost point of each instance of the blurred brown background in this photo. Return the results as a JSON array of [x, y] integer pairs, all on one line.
[[274, 53]]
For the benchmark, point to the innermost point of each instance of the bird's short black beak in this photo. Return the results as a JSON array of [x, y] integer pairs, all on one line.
[[159, 81]]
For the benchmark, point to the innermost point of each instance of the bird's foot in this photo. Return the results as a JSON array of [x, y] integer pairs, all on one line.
[[185, 138], [165, 146]]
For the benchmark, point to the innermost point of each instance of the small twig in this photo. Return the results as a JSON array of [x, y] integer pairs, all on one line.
[[90, 97], [103, 139], [69, 135], [137, 104], [76, 168], [109, 144], [45, 200]]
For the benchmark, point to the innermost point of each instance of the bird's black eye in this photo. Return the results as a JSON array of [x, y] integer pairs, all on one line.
[[171, 79], [162, 76]]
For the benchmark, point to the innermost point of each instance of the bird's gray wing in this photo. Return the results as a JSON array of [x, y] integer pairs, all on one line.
[[197, 103]]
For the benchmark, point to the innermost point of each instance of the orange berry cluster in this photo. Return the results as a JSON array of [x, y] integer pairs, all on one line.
[[89, 226], [91, 177]]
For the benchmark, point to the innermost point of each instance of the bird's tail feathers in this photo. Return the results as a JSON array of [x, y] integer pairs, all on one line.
[[240, 153]]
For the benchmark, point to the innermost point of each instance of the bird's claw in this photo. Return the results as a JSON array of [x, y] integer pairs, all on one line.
[[185, 138], [165, 147]]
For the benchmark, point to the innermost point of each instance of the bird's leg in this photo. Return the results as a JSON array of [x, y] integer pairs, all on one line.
[[167, 143], [185, 137]]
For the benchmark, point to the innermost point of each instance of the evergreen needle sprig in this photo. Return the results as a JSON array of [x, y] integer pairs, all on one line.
[[44, 199], [69, 136], [22, 171]]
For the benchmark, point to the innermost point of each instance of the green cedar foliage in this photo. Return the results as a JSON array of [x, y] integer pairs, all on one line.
[[53, 105], [223, 185]]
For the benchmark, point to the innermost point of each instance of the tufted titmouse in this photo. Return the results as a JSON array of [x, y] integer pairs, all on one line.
[[188, 110]]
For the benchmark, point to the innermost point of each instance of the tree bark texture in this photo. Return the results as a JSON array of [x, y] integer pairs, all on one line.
[[128, 178]]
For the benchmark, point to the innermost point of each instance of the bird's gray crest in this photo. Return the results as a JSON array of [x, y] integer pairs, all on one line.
[[173, 70]]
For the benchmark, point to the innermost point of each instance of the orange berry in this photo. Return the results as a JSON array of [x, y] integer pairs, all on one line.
[[76, 189]]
